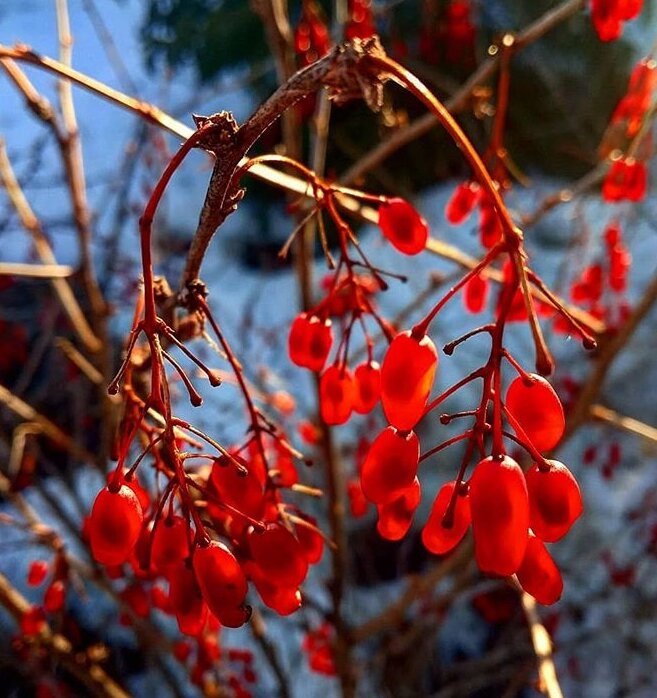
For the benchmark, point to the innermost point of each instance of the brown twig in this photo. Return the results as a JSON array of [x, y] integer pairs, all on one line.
[[459, 101], [548, 681], [31, 223], [36, 271], [629, 424], [78, 664], [580, 411], [48, 428]]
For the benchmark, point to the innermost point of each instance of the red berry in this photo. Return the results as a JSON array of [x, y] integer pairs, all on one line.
[[407, 377], [367, 386], [336, 394], [538, 575], [438, 538], [242, 489], [555, 501], [33, 621], [462, 202], [475, 294], [390, 465], [279, 555], [309, 342], [187, 601], [53, 599], [114, 525], [538, 411], [396, 517], [311, 541], [490, 228], [170, 543], [357, 500], [136, 597], [37, 573], [500, 515], [403, 226], [220, 578]]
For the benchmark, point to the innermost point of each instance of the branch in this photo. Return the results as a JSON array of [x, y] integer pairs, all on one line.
[[634, 426], [263, 172], [459, 101], [606, 355], [60, 648], [51, 430], [31, 223], [548, 681]]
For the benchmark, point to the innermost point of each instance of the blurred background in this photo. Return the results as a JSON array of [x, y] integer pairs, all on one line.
[[464, 635]]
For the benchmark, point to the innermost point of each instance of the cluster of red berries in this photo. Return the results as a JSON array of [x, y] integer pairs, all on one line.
[[608, 16], [360, 24], [633, 107], [626, 180], [450, 36], [312, 39], [349, 299], [54, 597], [601, 286], [207, 578], [318, 645], [512, 514]]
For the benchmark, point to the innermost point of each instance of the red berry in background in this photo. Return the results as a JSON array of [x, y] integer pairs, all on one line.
[[187, 601], [358, 503], [538, 411], [500, 515], [438, 538], [37, 573], [136, 597], [367, 386], [114, 525], [33, 621], [403, 226], [626, 179], [633, 107], [53, 599], [475, 294], [462, 202], [336, 394], [538, 575], [396, 517], [407, 374], [309, 341], [555, 501], [390, 466], [170, 544], [279, 555], [220, 577], [490, 228]]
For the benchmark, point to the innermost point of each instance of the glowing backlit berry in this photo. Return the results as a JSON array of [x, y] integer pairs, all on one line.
[[367, 387], [500, 515], [538, 411], [396, 517], [555, 501], [403, 226], [309, 342], [336, 394], [538, 574], [390, 465], [438, 538], [407, 377], [220, 577], [114, 525], [279, 555]]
